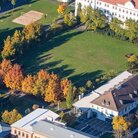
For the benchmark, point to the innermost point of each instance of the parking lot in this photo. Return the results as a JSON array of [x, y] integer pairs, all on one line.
[[93, 126]]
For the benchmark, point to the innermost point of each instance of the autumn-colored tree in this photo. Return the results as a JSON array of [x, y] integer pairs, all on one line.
[[5, 66], [52, 93], [13, 78], [9, 49], [120, 126], [39, 87], [61, 9], [11, 117], [65, 87], [27, 84], [18, 39], [32, 32], [42, 74]]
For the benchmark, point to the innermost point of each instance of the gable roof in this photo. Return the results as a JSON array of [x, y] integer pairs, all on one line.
[[121, 96], [53, 130], [122, 2]]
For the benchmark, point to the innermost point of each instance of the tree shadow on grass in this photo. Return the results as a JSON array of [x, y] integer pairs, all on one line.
[[7, 32], [38, 58], [81, 79]]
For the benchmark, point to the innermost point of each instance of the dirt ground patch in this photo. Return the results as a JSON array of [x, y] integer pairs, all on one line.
[[28, 18]]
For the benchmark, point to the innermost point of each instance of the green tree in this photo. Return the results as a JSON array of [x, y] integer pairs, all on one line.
[[69, 98], [11, 117], [131, 29], [89, 84], [13, 2]]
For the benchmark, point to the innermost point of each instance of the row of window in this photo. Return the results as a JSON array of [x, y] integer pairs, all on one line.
[[21, 134]]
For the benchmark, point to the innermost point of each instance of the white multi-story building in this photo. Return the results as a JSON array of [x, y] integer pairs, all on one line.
[[117, 97], [121, 9]]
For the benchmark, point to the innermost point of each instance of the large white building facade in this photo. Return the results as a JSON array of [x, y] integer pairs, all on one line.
[[121, 9], [118, 97]]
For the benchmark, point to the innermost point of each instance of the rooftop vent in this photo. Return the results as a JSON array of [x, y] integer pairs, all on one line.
[[118, 87], [72, 136], [135, 92], [131, 95], [51, 128], [121, 101]]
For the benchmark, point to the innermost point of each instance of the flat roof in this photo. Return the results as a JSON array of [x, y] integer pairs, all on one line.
[[35, 116], [85, 102], [53, 130]]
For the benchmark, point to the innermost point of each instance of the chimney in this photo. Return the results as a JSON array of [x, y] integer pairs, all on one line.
[[121, 101], [135, 92], [131, 95]]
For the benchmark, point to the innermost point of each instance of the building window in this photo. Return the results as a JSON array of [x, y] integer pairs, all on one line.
[[27, 136], [19, 133], [23, 134], [15, 131]]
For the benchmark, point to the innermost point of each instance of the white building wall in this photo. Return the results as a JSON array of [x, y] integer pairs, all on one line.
[[103, 113], [122, 12]]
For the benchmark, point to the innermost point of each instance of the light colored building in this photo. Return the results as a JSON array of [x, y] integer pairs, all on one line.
[[117, 97], [45, 129], [23, 127], [42, 123], [122, 9], [4, 130]]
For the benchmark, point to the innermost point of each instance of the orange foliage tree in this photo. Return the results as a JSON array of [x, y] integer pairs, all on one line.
[[13, 78], [27, 84], [61, 9]]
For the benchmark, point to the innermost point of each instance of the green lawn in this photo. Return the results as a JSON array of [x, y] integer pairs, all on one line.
[[7, 27], [79, 56]]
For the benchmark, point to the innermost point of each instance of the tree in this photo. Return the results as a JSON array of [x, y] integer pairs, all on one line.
[[131, 29], [18, 39], [13, 2], [32, 32], [133, 62], [52, 92], [5, 66], [82, 89], [62, 114], [14, 77], [27, 84], [116, 26], [65, 87], [93, 19], [9, 49], [61, 9], [89, 84], [69, 19], [69, 98], [120, 126], [11, 117]]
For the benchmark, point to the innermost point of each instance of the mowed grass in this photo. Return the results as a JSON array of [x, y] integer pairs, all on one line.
[[7, 27], [79, 56]]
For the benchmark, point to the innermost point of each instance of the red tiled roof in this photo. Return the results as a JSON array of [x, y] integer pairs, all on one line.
[[114, 2]]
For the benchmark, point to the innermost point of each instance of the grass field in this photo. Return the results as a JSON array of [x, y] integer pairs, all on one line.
[[79, 56], [7, 27]]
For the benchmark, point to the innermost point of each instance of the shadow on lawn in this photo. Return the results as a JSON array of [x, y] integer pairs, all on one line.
[[7, 32], [81, 79]]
